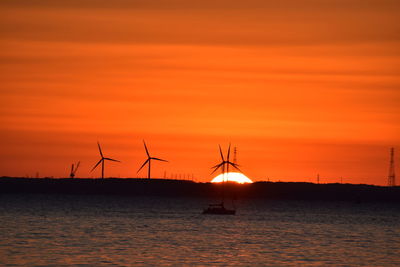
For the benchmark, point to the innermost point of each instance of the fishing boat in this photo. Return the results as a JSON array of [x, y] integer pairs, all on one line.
[[218, 209]]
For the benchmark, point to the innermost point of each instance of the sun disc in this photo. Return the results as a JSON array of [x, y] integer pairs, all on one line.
[[232, 177]]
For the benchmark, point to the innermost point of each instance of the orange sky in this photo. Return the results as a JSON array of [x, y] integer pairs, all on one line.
[[300, 87]]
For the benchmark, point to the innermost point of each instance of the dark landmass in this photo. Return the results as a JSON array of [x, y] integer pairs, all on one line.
[[182, 188]]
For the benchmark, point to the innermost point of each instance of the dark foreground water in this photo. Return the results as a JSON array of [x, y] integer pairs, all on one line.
[[42, 230]]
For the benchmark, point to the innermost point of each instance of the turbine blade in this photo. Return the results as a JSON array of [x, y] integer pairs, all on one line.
[[101, 153], [235, 166], [218, 165], [229, 152], [215, 170], [112, 159], [160, 159], [147, 151], [147, 160], [96, 165], [77, 166], [220, 151], [232, 163]]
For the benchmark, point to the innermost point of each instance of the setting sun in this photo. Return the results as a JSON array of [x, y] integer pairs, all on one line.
[[232, 177]]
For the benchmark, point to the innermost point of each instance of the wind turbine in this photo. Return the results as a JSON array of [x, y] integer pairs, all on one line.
[[225, 162], [148, 161], [73, 170], [102, 161]]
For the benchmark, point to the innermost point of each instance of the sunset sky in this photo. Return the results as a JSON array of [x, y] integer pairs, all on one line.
[[299, 87]]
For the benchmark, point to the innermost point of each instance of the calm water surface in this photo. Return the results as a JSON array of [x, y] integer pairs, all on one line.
[[42, 230]]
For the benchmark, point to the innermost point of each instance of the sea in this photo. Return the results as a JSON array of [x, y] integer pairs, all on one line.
[[93, 230]]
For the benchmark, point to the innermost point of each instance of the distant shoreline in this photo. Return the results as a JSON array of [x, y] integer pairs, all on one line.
[[185, 188]]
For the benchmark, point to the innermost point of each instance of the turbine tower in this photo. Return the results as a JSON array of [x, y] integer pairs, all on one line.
[[102, 161], [225, 162], [74, 169], [392, 175], [148, 161]]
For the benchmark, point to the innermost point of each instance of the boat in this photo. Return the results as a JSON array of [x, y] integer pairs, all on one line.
[[218, 209]]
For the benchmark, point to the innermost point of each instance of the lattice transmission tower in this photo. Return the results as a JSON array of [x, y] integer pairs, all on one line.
[[392, 175]]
